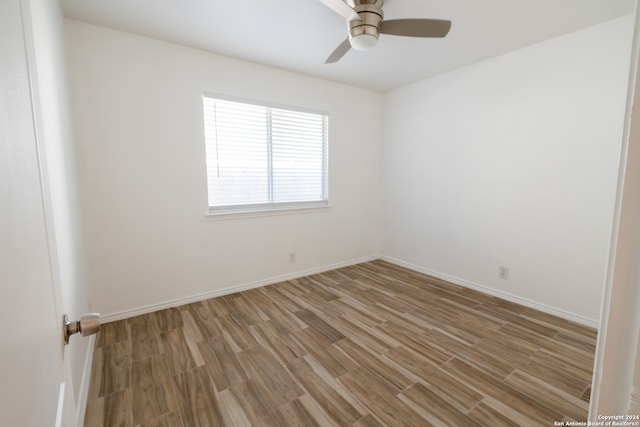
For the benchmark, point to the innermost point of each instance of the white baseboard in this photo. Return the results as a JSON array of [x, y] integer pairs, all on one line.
[[111, 317], [125, 314], [496, 293], [83, 395]]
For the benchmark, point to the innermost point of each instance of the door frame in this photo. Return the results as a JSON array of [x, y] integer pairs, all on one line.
[[616, 351]]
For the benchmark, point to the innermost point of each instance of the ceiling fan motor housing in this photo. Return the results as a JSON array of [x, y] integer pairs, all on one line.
[[368, 25]]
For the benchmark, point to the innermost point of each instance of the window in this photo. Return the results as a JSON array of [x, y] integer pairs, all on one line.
[[262, 157]]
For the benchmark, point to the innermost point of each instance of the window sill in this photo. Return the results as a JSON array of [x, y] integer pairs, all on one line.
[[241, 214]]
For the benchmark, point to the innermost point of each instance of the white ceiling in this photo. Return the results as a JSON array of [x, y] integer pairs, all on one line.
[[298, 35]]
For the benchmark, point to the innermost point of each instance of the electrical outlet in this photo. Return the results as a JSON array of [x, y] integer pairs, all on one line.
[[292, 257], [503, 272]]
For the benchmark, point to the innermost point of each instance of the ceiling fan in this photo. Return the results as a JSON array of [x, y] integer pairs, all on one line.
[[365, 24]]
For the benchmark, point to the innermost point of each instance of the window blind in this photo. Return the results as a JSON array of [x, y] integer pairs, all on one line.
[[261, 157]]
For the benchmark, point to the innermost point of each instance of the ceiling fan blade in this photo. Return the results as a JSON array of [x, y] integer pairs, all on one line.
[[339, 52], [416, 27], [341, 8]]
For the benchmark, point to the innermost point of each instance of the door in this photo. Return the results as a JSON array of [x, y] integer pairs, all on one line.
[[31, 348]]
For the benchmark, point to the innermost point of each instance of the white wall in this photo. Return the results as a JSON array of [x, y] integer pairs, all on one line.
[[510, 162], [513, 162], [138, 114], [53, 126]]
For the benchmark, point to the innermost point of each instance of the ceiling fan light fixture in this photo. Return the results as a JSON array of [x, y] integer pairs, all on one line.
[[363, 41]]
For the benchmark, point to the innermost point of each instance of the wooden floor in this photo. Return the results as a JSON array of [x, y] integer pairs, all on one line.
[[367, 345]]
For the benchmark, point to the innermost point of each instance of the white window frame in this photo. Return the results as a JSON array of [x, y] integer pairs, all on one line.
[[272, 207]]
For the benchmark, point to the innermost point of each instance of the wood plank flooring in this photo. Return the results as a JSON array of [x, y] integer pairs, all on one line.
[[368, 345]]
